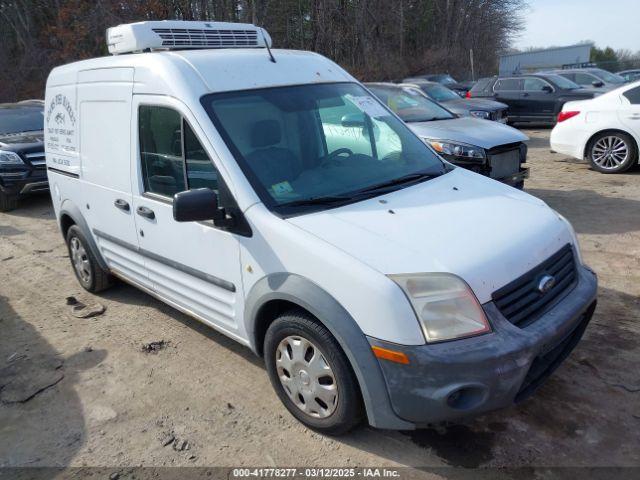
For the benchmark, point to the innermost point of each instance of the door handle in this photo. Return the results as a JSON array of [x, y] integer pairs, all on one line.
[[634, 117], [121, 204], [145, 212], [525, 94]]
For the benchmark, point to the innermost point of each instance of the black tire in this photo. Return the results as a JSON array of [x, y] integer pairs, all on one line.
[[8, 202], [348, 411], [630, 161], [97, 278]]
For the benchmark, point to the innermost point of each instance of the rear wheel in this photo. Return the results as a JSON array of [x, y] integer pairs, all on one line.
[[88, 271], [311, 374], [8, 202], [612, 152]]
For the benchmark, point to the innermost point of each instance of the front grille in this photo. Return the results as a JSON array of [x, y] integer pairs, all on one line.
[[37, 159], [210, 38], [497, 115], [522, 303], [504, 164]]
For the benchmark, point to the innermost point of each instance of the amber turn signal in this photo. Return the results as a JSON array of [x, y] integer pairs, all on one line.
[[391, 355]]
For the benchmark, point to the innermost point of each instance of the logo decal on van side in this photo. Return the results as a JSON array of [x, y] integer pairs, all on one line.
[[61, 122]]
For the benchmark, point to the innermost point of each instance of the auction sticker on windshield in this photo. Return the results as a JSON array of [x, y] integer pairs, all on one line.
[[369, 106]]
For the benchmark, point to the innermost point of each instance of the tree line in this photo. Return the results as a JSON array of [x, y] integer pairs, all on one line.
[[373, 39]]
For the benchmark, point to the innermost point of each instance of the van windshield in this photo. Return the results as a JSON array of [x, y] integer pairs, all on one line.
[[311, 147]]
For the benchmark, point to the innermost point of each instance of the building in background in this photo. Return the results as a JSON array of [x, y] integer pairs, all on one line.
[[557, 57]]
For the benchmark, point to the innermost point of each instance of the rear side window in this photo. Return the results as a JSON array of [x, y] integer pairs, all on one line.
[[508, 84], [633, 95], [172, 159]]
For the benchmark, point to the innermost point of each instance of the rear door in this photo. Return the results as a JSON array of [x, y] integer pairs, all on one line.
[[104, 98], [508, 90], [535, 101], [194, 266]]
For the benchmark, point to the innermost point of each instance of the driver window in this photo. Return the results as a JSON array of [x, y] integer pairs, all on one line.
[[161, 150], [533, 84], [584, 79], [172, 159]]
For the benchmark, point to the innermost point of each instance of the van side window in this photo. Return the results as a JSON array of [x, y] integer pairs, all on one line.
[[173, 160], [161, 150]]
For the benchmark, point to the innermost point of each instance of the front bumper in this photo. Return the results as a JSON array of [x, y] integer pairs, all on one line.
[[517, 179], [465, 377], [23, 182]]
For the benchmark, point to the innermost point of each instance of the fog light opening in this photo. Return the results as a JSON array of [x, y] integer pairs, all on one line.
[[466, 398]]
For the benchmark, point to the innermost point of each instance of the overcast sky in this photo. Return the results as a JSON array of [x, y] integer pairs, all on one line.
[[614, 23]]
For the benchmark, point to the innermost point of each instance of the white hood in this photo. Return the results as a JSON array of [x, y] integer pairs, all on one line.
[[463, 223]]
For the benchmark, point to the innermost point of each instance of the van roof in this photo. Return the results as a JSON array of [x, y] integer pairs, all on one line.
[[205, 71]]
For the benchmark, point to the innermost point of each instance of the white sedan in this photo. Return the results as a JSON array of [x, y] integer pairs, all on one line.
[[605, 130]]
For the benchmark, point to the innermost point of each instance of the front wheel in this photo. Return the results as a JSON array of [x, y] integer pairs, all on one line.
[[311, 374], [612, 152]]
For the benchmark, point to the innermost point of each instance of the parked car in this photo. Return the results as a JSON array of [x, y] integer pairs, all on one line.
[[22, 164], [477, 107], [387, 284], [592, 78], [461, 88], [489, 148], [605, 130], [531, 98], [630, 75]]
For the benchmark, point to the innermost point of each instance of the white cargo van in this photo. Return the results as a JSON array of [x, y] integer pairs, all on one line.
[[375, 279]]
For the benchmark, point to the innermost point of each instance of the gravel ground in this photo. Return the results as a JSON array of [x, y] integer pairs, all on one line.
[[84, 392]]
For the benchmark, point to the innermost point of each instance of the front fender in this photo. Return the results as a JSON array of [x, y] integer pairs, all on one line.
[[311, 297]]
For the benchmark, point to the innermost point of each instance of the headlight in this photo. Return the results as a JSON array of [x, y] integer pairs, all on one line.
[[572, 232], [444, 304], [456, 150], [480, 114], [10, 158]]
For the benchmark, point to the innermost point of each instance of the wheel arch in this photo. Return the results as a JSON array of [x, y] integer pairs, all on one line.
[[70, 215], [276, 293]]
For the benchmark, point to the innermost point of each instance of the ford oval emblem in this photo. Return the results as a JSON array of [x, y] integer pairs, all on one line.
[[546, 283]]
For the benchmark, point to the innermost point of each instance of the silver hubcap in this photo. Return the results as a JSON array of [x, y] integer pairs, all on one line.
[[610, 152], [80, 260], [306, 376]]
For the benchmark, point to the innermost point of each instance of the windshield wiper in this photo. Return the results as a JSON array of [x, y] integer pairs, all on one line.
[[360, 194], [328, 200], [410, 178]]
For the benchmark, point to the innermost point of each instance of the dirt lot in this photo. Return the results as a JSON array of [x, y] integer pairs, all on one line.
[[84, 393]]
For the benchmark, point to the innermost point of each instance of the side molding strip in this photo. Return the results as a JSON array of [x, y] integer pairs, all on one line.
[[218, 282], [62, 172]]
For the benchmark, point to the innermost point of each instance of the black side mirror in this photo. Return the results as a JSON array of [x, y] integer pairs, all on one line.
[[597, 83], [197, 205], [547, 88]]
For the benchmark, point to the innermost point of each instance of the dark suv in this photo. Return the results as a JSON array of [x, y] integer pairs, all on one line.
[[531, 98], [22, 163]]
